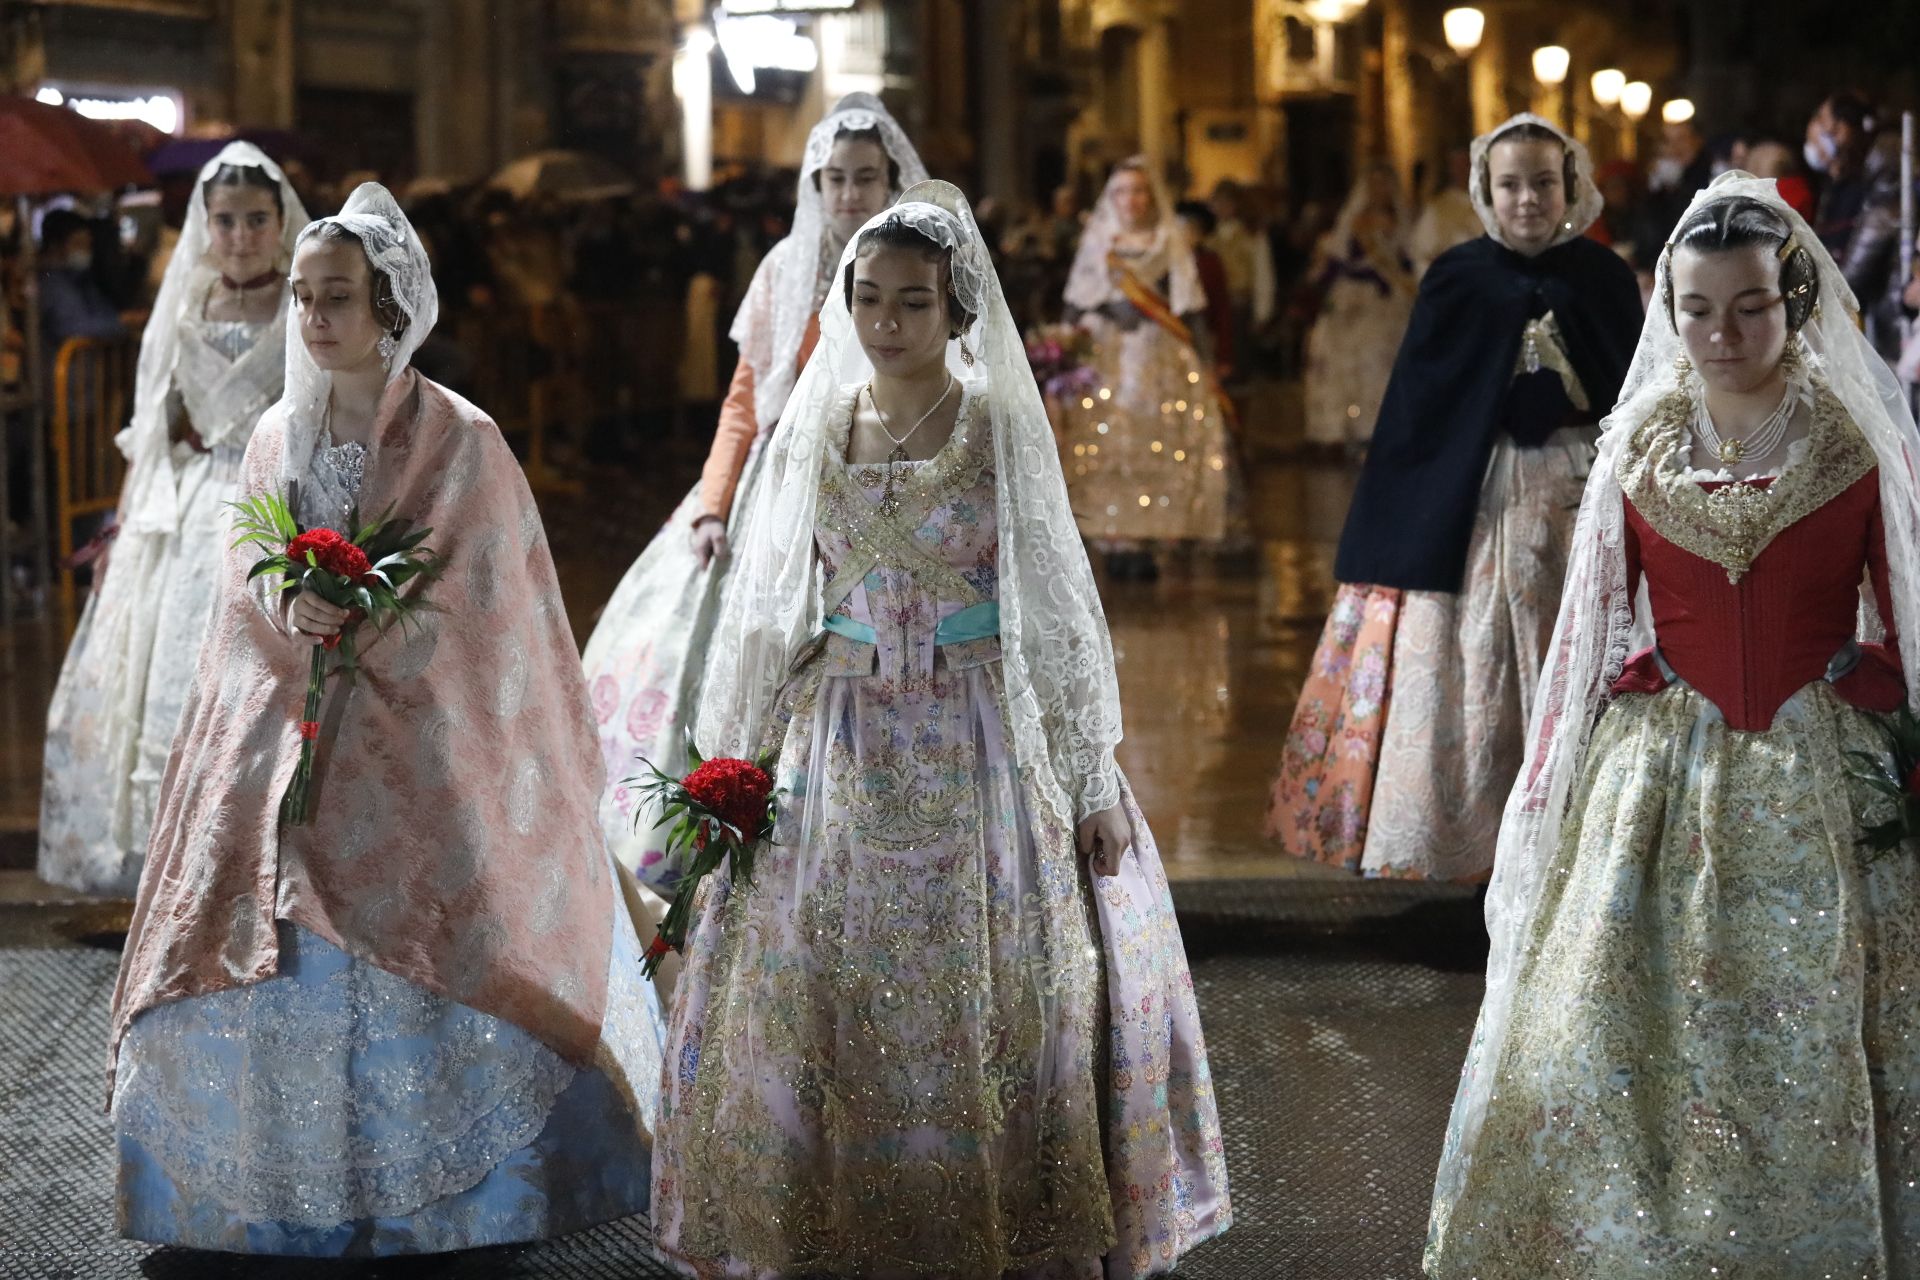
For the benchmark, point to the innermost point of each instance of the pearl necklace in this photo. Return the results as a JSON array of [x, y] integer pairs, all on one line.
[[1756, 444]]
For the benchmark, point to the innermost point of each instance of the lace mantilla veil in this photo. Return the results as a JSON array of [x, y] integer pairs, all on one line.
[[1090, 282], [791, 284], [1062, 697], [1584, 201], [151, 502], [1594, 634], [393, 247]]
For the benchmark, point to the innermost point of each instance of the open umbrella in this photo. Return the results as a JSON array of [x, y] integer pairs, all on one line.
[[562, 175], [47, 150]]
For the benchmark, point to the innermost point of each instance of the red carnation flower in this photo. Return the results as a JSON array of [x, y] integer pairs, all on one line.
[[331, 552], [737, 791]]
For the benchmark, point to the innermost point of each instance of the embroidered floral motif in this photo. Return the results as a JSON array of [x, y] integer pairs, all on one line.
[[1733, 524]]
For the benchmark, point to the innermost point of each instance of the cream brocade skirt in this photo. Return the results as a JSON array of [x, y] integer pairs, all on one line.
[[1715, 1060]]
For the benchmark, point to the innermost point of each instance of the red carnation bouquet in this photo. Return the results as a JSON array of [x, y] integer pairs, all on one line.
[[1895, 775], [362, 574], [723, 809]]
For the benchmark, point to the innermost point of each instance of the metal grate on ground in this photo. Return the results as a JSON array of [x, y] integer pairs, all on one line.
[[1336, 1012]]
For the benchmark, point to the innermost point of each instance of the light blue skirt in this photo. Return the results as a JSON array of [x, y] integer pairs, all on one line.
[[336, 1110]]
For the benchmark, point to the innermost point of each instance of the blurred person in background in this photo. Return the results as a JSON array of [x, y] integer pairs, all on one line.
[[1448, 219], [1247, 257]]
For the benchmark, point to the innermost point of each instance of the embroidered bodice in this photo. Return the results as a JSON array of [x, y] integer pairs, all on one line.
[[332, 484], [1754, 585], [904, 588], [230, 338]]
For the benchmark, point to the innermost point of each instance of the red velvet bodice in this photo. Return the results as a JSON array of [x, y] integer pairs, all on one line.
[[1748, 646]]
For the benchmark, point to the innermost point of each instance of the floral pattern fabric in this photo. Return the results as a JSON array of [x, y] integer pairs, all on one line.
[[1324, 790], [893, 1053]]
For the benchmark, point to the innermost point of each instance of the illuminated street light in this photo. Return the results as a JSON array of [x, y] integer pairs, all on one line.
[[1550, 64], [1607, 85], [1636, 99], [1463, 27], [1334, 10], [1676, 111]]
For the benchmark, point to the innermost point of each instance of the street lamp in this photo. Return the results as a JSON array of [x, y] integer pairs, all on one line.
[[1607, 85], [1550, 63], [1334, 11], [1636, 99], [1463, 28], [1676, 111]]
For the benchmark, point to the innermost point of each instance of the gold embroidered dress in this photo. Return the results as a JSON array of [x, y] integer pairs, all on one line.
[[889, 1055], [1714, 1042]]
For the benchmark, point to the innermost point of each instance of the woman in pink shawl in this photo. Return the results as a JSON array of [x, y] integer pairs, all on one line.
[[416, 1023]]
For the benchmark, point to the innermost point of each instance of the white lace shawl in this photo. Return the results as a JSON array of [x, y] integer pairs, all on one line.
[[1584, 202], [392, 246], [1090, 283], [151, 503], [792, 279], [1062, 696], [1596, 629]]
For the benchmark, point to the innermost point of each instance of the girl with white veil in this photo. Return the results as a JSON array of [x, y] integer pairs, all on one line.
[[411, 1023], [643, 659], [926, 1039], [1146, 453], [211, 362], [1366, 287], [1701, 1033], [1412, 721]]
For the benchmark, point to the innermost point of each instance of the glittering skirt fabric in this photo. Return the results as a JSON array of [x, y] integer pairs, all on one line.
[[1715, 1061], [893, 1054], [1148, 459]]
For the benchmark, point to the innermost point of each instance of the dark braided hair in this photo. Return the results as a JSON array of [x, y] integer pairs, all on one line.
[[897, 233], [1527, 131], [1740, 223], [244, 175]]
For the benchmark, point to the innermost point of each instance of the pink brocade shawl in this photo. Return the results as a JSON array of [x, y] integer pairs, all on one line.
[[454, 840]]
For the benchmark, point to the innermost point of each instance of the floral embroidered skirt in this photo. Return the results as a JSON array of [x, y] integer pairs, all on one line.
[[1716, 1043], [1412, 724], [904, 1050], [337, 1110]]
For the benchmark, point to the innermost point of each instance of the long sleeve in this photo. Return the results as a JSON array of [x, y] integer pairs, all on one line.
[[731, 441], [739, 424], [1264, 287]]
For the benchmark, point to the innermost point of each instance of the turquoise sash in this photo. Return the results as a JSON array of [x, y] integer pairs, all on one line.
[[976, 622]]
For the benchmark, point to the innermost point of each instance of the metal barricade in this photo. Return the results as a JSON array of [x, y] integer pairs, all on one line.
[[92, 400]]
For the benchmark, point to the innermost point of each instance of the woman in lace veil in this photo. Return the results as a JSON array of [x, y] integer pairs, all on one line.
[[643, 659], [211, 363], [1366, 287], [889, 1044], [1146, 451], [1699, 1036], [1412, 721], [407, 1025]]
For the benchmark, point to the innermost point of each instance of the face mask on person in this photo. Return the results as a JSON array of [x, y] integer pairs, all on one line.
[[79, 260], [1665, 173], [1820, 149]]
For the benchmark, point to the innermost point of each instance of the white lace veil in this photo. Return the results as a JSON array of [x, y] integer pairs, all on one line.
[[1062, 696], [150, 502], [1592, 639], [1341, 233], [394, 249], [791, 283], [1584, 201], [1090, 283]]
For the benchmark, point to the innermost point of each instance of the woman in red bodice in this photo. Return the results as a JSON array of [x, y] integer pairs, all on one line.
[[1701, 1034]]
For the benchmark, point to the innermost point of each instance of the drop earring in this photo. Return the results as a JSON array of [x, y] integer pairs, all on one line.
[[388, 345], [966, 356]]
